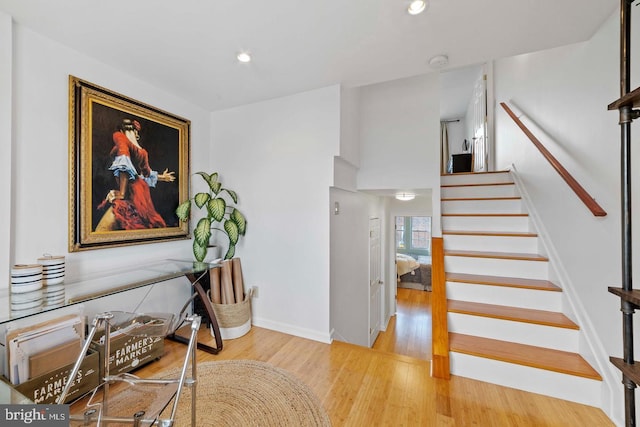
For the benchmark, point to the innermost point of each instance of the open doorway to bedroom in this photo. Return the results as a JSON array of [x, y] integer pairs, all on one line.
[[409, 330], [413, 252]]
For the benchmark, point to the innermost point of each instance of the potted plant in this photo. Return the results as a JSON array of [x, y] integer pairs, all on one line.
[[221, 215]]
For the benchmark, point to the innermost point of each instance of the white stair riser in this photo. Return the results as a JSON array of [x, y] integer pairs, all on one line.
[[483, 206], [515, 244], [535, 380], [519, 332], [561, 386], [504, 295], [478, 191], [475, 178], [486, 223], [497, 267]]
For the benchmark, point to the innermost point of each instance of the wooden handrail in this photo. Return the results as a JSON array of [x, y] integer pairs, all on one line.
[[439, 326], [582, 194]]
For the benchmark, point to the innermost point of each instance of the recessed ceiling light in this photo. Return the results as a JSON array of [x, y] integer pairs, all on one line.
[[417, 6], [244, 57]]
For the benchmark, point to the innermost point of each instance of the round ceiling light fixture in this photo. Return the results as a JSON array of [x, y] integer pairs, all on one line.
[[417, 6], [405, 197], [244, 57], [439, 61]]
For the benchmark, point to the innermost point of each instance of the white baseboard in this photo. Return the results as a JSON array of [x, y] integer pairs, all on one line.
[[292, 330]]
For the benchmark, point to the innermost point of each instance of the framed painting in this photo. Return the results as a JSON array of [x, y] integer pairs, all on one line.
[[128, 170]]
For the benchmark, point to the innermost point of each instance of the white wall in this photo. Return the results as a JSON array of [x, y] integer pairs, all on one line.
[[400, 137], [420, 206], [345, 174], [350, 267], [564, 94], [470, 113], [345, 168], [456, 131], [278, 156], [350, 125], [39, 143], [6, 169], [399, 134]]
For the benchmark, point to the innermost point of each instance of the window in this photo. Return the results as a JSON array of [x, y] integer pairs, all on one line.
[[413, 234]]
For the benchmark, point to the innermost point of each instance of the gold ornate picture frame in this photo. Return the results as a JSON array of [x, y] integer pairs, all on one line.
[[128, 170]]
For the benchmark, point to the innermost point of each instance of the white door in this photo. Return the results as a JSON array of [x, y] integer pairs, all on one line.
[[375, 282], [479, 125]]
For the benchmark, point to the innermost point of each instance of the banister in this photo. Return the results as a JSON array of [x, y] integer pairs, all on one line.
[[582, 194]]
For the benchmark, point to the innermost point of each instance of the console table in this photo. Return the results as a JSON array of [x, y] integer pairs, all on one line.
[[123, 280]]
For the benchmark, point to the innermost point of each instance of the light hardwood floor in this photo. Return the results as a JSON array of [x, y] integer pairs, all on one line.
[[409, 331], [359, 386]]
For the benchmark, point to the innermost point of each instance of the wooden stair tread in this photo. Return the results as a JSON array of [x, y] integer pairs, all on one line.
[[474, 173], [491, 233], [514, 282], [536, 357], [516, 314], [476, 184], [488, 214], [497, 255], [465, 199]]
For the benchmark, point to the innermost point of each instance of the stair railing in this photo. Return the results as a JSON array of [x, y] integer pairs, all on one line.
[[582, 194]]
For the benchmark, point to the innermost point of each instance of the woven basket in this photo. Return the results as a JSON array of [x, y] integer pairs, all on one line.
[[234, 320]]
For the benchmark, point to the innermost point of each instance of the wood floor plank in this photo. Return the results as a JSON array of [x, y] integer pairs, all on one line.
[[409, 331], [514, 282], [498, 255], [536, 357], [516, 314], [374, 391], [396, 403], [348, 382]]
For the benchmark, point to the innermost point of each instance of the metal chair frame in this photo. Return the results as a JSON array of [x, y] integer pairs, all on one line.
[[98, 417]]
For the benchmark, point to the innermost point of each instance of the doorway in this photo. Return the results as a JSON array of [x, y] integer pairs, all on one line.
[[413, 252], [409, 330], [375, 280], [466, 122]]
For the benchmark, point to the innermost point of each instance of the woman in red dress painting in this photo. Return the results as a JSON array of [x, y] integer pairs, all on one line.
[[131, 205]]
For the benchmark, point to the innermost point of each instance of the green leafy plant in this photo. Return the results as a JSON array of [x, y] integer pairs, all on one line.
[[221, 215]]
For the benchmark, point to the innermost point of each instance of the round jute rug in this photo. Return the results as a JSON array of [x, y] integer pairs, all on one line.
[[248, 393]]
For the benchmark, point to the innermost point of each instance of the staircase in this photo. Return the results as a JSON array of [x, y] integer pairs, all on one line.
[[506, 324]]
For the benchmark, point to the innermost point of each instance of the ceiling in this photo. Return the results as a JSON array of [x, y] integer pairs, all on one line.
[[189, 47]]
